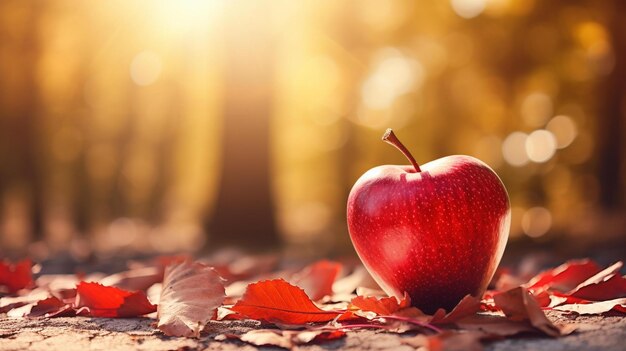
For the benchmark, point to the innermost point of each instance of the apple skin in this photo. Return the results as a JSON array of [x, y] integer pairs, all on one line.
[[438, 234]]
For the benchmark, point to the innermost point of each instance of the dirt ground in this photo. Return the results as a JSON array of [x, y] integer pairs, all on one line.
[[80, 333]]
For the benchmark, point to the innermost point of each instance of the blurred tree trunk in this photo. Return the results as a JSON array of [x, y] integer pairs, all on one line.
[[244, 211], [612, 113], [165, 147], [19, 107]]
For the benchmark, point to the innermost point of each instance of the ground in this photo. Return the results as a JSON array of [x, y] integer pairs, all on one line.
[[81, 333]]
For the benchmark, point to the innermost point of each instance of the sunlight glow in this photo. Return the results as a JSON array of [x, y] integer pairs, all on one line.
[[391, 77], [145, 68], [183, 16]]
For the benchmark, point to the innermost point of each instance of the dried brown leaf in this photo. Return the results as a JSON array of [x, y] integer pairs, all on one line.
[[519, 305], [495, 325], [190, 295], [286, 339], [52, 307]]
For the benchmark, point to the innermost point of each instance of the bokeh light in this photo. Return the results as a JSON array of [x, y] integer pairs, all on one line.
[[393, 75], [468, 8], [114, 116], [540, 146], [564, 130], [514, 149], [536, 109], [536, 221], [145, 68]]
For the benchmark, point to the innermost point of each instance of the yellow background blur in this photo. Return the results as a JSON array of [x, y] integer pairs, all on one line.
[[139, 125]]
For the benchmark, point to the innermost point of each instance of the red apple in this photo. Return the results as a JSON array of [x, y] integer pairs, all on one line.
[[436, 232]]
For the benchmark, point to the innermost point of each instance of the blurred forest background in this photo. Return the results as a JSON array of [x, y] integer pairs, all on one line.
[[160, 126]]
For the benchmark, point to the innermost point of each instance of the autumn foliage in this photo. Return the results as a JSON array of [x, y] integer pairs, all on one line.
[[15, 276], [96, 300], [317, 303], [279, 301]]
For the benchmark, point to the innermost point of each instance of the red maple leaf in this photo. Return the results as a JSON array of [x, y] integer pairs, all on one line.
[[381, 306], [279, 301], [564, 277], [605, 285], [16, 276], [97, 300]]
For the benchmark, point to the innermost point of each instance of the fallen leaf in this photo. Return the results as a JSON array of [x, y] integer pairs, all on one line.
[[402, 324], [8, 303], [605, 285], [16, 276], [223, 313], [468, 306], [279, 301], [96, 300], [164, 261], [564, 277], [307, 337], [557, 299], [495, 325], [61, 285], [519, 304], [134, 279], [334, 306], [317, 279], [19, 312], [381, 306], [154, 293], [52, 307], [412, 312], [286, 339], [543, 297], [612, 287], [261, 337], [618, 305], [10, 306], [190, 295]]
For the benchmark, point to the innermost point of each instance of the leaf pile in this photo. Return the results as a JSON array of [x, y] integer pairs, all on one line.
[[317, 303]]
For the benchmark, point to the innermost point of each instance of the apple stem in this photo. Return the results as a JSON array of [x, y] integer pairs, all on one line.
[[390, 138]]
